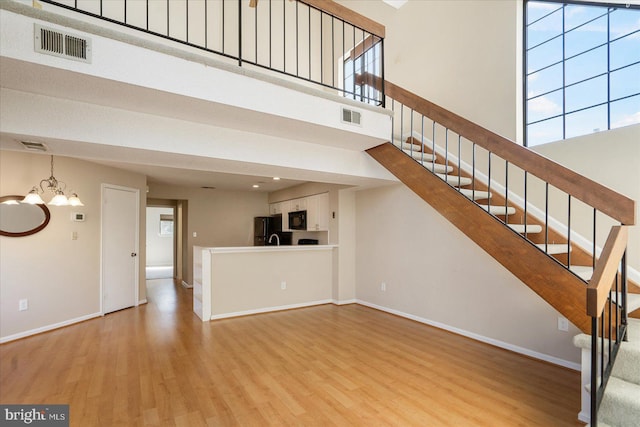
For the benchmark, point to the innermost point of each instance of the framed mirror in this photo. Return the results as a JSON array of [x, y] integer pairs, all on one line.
[[21, 219]]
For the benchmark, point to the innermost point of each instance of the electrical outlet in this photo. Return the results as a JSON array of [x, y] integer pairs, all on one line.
[[23, 305], [283, 285], [563, 324], [383, 287]]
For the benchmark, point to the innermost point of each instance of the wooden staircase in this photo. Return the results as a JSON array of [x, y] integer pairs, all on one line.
[[540, 260]]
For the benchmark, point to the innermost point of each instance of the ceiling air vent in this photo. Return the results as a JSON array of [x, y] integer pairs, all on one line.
[[34, 146], [350, 116], [61, 44]]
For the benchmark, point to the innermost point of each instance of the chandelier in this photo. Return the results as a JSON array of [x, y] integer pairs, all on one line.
[[56, 188]]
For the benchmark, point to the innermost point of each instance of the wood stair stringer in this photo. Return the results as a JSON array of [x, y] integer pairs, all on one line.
[[551, 281]]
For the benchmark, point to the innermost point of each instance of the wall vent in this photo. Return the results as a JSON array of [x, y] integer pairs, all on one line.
[[34, 146], [350, 116], [61, 44]]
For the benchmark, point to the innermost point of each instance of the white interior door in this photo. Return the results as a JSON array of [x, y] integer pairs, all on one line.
[[120, 230]]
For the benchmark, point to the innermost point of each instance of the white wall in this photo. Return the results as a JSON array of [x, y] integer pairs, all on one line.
[[611, 158], [159, 247], [434, 272], [459, 54], [59, 276]]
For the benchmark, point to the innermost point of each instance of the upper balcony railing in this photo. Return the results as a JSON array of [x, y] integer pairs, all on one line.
[[317, 41]]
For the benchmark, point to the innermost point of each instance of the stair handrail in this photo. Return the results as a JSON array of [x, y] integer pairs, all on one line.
[[604, 199], [599, 293]]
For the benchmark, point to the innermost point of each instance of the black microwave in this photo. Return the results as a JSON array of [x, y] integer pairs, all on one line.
[[298, 220]]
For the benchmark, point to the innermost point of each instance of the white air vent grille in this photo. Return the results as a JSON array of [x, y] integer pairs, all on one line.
[[34, 146], [350, 116], [61, 44]]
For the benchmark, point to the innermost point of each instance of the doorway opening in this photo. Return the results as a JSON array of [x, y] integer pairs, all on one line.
[[160, 242]]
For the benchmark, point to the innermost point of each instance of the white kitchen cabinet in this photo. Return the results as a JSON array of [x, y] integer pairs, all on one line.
[[298, 204], [275, 208], [318, 212]]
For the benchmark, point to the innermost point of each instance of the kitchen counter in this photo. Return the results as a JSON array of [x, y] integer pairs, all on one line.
[[283, 248], [237, 281]]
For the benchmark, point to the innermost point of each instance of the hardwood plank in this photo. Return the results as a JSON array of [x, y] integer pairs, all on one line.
[[159, 365]]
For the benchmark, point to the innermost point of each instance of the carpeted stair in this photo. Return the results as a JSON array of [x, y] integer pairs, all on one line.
[[620, 406]]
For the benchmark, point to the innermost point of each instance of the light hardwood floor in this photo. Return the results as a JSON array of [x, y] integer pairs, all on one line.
[[158, 365]]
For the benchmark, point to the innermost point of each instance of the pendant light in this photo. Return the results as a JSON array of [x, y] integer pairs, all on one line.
[[54, 186]]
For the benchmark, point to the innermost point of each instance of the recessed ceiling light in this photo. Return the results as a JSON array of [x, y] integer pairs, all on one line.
[[256, 186], [276, 178]]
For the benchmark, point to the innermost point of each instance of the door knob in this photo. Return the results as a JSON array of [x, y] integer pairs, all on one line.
[[134, 254]]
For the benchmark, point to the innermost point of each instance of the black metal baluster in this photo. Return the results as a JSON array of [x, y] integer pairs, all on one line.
[[446, 154], [525, 205], [333, 53], [459, 159], [147, 17], [569, 232], [255, 33], [223, 21], [206, 24], [321, 48], [270, 33], [473, 172], [284, 36], [240, 33], [401, 126], [297, 46], [594, 240], [309, 9], [489, 184], [506, 191], [353, 63], [546, 217]]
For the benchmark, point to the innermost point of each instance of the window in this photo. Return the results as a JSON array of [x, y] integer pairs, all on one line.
[[361, 68], [582, 68], [166, 225]]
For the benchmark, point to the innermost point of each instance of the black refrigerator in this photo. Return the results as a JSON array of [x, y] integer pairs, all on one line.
[[265, 226]]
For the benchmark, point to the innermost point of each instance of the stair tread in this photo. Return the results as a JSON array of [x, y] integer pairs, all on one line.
[[419, 155], [531, 228], [477, 194], [436, 167], [621, 403], [553, 248], [583, 271], [455, 180], [498, 209]]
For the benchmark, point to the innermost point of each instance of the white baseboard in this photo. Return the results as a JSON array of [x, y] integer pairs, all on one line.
[[269, 309], [142, 301], [48, 328], [477, 337], [344, 302], [186, 285]]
